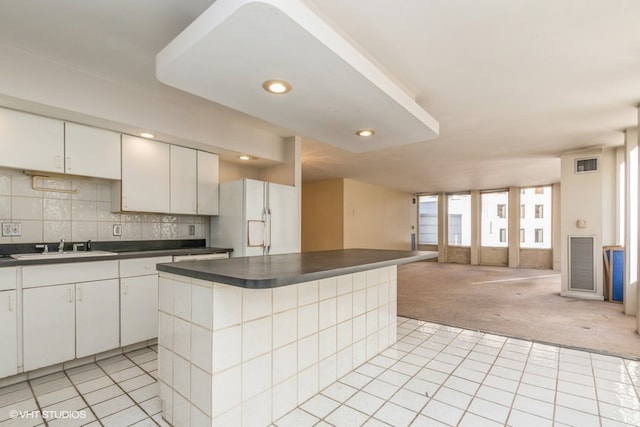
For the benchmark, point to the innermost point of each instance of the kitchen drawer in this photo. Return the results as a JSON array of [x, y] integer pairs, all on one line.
[[8, 278], [141, 266], [53, 274]]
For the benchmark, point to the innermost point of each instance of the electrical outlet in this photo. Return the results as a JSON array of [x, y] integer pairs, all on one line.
[[11, 229], [117, 229], [192, 230]]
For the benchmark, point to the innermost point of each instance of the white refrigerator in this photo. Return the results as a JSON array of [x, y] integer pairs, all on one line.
[[257, 218]]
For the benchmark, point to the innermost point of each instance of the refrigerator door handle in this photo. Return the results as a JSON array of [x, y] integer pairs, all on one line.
[[267, 231], [265, 220]]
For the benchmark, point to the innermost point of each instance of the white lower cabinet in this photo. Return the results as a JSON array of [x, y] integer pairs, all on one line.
[[75, 310], [8, 334], [139, 299], [69, 311], [64, 322], [139, 309], [97, 317], [49, 331]]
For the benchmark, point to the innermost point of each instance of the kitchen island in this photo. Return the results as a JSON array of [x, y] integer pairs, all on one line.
[[243, 341]]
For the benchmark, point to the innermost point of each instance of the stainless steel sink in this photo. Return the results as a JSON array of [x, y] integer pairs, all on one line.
[[53, 255]]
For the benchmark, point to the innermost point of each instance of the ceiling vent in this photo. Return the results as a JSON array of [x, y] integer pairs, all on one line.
[[586, 165]]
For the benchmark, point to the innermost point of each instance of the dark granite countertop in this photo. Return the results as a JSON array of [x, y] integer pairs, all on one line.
[[121, 251], [172, 252], [262, 272]]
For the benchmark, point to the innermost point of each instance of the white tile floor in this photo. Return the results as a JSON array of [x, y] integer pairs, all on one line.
[[434, 375], [119, 391]]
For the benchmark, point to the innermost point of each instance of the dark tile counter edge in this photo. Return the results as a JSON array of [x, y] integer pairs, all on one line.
[[10, 262], [274, 282]]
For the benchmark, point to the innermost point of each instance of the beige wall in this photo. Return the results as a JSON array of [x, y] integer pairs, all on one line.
[[288, 172], [587, 197], [376, 217], [458, 255], [322, 215], [556, 227], [494, 256], [68, 93], [342, 213], [230, 171], [536, 258], [629, 237]]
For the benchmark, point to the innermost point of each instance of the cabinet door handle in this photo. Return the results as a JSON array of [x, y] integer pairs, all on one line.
[[58, 162], [147, 267], [12, 303], [125, 289], [124, 202], [80, 293], [67, 163], [71, 295]]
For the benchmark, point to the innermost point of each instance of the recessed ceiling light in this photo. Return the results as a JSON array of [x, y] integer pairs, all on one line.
[[366, 132], [277, 87], [147, 135], [244, 157]]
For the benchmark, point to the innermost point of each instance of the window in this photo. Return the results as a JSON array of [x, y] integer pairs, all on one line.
[[428, 220], [537, 227], [522, 235], [459, 207], [521, 211], [494, 208]]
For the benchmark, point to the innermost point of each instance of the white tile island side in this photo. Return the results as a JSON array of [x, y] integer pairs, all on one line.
[[230, 355]]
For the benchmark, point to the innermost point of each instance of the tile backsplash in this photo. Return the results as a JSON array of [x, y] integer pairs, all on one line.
[[48, 216]]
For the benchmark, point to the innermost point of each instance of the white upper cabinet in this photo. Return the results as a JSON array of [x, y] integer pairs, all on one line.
[[159, 177], [31, 142], [49, 145], [145, 182], [183, 180], [91, 151], [194, 181], [208, 180]]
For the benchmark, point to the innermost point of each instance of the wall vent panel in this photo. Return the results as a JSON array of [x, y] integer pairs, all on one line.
[[581, 264], [586, 165]]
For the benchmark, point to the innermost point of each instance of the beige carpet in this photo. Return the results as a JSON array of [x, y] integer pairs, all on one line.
[[522, 303]]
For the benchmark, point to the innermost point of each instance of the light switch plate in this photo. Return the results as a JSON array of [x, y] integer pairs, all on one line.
[[117, 229], [11, 229], [192, 230]]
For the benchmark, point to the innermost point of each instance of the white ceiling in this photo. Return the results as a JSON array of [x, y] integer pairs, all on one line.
[[512, 84], [336, 90]]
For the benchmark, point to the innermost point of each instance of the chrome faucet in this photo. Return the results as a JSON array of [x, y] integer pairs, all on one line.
[[61, 246]]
